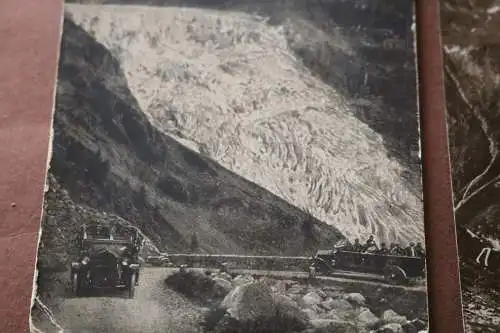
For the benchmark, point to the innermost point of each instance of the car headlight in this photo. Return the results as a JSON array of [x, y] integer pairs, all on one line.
[[85, 260], [124, 262], [75, 264]]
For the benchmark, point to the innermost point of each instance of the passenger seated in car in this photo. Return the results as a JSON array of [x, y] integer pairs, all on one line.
[[396, 250], [383, 249], [356, 247], [411, 251], [370, 245], [420, 250]]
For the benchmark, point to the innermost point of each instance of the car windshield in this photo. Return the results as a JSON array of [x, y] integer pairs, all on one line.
[[104, 232]]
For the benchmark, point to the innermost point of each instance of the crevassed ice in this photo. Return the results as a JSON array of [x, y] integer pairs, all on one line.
[[230, 85]]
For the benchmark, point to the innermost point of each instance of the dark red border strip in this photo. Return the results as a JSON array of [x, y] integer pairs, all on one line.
[[444, 286]]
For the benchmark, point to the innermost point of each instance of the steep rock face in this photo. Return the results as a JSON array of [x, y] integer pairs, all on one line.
[[108, 156], [471, 53], [473, 91], [239, 89]]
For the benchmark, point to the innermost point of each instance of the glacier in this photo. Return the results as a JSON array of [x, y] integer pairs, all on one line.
[[227, 85]]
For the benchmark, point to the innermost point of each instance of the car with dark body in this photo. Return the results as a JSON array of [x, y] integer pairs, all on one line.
[[395, 269], [107, 258]]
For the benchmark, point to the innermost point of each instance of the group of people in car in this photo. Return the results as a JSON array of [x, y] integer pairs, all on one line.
[[412, 250]]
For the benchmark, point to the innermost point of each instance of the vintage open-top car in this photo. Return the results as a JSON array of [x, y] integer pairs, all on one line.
[[398, 269], [108, 258]]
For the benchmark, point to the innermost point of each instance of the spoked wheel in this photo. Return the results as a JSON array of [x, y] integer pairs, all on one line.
[[395, 275], [131, 285]]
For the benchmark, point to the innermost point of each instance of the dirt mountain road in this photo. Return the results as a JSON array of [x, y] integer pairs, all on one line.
[[154, 309]]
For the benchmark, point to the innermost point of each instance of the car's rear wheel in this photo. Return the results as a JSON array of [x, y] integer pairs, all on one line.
[[395, 274], [131, 285]]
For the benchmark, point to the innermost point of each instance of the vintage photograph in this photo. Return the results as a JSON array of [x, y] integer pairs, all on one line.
[[471, 49], [234, 167]]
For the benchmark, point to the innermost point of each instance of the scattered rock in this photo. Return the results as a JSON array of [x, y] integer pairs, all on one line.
[[289, 313], [198, 285], [367, 319], [310, 299], [390, 316], [242, 279], [356, 299], [221, 287], [321, 293], [310, 313], [295, 289], [337, 304], [409, 328], [420, 325], [281, 286], [327, 325], [391, 328], [225, 276]]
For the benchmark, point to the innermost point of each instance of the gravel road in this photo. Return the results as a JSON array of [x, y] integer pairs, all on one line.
[[154, 309]]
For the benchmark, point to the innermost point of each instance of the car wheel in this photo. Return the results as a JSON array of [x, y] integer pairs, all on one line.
[[131, 285], [395, 275]]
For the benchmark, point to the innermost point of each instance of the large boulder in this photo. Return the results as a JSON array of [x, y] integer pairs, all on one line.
[[249, 302], [367, 319], [252, 307], [310, 299]]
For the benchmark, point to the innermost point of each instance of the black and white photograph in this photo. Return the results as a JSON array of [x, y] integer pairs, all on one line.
[[234, 167], [471, 50]]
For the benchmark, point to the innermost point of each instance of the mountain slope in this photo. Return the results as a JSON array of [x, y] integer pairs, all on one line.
[[232, 87], [108, 156], [471, 54], [473, 91]]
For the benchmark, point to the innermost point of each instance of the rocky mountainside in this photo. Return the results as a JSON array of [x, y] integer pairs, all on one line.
[[316, 115], [107, 156], [473, 91], [472, 67]]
